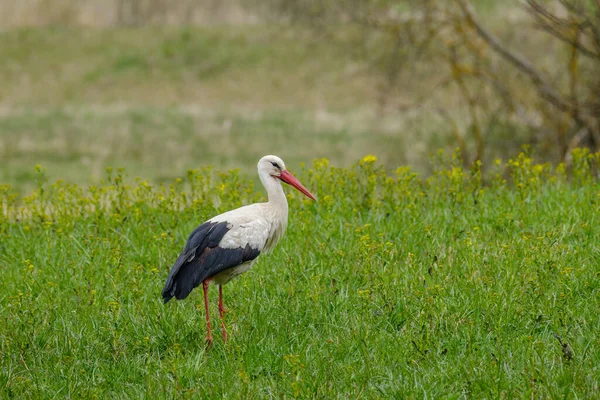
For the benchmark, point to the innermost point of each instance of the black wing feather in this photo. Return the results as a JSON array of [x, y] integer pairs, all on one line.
[[202, 258]]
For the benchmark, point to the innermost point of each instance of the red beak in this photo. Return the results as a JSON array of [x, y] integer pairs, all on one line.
[[292, 181]]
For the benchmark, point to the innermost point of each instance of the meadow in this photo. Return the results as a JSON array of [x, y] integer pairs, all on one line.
[[162, 100], [392, 285], [415, 275], [159, 100]]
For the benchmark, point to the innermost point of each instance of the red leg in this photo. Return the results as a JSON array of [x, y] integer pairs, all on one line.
[[209, 338], [222, 313]]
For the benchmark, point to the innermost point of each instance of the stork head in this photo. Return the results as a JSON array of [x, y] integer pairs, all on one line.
[[275, 167]]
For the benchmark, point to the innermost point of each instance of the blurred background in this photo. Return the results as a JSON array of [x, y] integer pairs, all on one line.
[[159, 87]]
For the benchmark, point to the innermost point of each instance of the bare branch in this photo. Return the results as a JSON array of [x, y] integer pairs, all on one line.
[[581, 12], [584, 117], [551, 23], [517, 60], [540, 11]]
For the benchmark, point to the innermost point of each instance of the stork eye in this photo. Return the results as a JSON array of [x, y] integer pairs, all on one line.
[[275, 165]]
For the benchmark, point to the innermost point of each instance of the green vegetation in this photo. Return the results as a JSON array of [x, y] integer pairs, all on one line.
[[159, 143], [391, 286], [217, 67], [440, 281], [159, 101]]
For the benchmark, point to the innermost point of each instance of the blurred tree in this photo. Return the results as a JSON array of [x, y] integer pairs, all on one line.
[[571, 104], [552, 109]]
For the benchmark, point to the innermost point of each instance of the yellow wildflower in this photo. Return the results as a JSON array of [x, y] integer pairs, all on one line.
[[368, 159]]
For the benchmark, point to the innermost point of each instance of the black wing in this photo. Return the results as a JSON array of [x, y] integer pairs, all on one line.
[[202, 258]]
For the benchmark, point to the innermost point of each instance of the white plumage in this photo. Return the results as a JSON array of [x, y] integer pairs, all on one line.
[[253, 225]]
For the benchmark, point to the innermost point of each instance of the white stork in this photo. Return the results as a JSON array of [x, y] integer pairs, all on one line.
[[227, 245]]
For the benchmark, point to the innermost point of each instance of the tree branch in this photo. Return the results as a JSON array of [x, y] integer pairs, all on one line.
[[583, 117], [517, 60], [551, 23]]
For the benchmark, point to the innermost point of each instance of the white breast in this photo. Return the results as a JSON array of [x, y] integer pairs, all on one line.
[[257, 225]]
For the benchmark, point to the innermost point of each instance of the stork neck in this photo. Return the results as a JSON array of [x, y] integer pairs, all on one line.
[[275, 192]]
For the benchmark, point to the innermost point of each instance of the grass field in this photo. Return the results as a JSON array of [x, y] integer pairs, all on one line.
[[449, 283], [161, 100], [160, 144], [390, 286]]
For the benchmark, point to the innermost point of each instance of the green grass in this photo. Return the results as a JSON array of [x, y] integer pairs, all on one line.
[[78, 144], [159, 100], [389, 287], [219, 67]]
